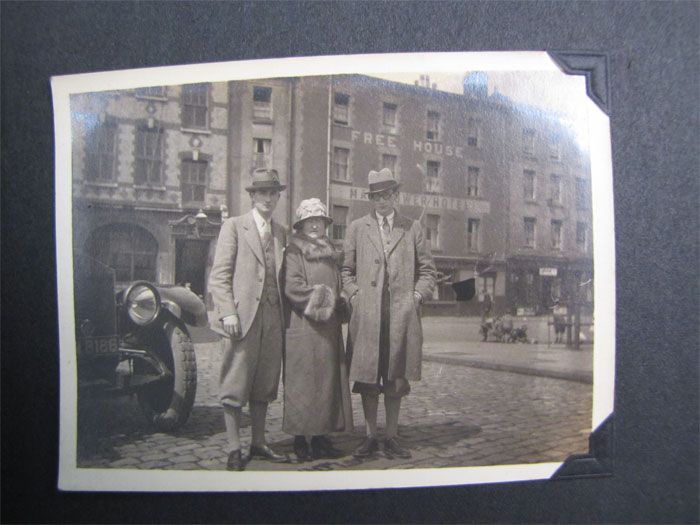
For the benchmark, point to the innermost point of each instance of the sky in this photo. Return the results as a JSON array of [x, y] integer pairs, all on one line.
[[544, 89]]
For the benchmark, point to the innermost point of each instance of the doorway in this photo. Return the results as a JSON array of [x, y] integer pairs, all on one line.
[[190, 264]]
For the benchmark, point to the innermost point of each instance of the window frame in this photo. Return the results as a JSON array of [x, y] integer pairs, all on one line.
[[533, 194], [94, 154], [142, 131], [186, 161], [473, 243], [428, 121], [257, 155], [338, 227], [262, 111], [390, 125], [139, 93], [556, 234], [526, 239], [555, 181], [433, 243], [337, 166], [528, 142], [473, 171], [186, 102], [341, 109]]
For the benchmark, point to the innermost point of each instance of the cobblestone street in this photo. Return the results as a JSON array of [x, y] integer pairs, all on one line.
[[455, 416]]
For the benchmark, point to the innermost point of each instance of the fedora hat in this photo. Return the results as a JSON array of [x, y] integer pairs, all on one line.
[[265, 179], [309, 209], [381, 180]]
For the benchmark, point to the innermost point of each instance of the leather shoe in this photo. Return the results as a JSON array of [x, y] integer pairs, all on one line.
[[322, 447], [235, 461], [368, 447], [264, 451], [393, 449], [301, 448]]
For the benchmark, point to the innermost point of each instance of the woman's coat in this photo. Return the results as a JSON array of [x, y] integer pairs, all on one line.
[[316, 389], [409, 268]]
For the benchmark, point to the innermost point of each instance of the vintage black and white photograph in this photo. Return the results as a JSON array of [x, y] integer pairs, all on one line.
[[333, 272]]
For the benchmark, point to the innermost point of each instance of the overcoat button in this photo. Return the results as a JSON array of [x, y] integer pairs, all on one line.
[[374, 283], [376, 261]]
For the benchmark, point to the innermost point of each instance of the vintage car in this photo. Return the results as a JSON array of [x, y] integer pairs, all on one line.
[[136, 340]]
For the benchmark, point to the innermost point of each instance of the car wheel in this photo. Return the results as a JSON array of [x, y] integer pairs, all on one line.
[[167, 403]]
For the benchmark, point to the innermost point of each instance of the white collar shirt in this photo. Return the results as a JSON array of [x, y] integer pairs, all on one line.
[[390, 218], [261, 223]]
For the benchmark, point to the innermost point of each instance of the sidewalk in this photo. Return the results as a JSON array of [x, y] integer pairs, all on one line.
[[457, 341]]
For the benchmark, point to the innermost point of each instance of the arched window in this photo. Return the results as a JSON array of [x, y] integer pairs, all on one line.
[[129, 249]]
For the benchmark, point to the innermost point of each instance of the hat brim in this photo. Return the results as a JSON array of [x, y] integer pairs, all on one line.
[[379, 187], [279, 187], [298, 224]]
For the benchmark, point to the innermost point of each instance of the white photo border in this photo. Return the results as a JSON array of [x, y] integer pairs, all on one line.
[[72, 478]]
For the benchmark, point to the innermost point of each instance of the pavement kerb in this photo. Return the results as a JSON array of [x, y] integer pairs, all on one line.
[[578, 377]]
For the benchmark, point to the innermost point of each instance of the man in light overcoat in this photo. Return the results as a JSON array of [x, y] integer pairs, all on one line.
[[387, 273], [246, 289]]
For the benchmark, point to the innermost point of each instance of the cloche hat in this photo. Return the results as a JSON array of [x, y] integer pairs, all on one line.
[[309, 209], [381, 180], [265, 179]]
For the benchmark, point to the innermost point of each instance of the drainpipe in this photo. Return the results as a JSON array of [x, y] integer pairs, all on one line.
[[292, 131], [328, 142]]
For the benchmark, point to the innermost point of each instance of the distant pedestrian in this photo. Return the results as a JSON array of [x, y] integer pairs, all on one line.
[[245, 285], [387, 273], [486, 306], [316, 388]]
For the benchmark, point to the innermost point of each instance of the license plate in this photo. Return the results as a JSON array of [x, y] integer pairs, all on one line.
[[98, 345]]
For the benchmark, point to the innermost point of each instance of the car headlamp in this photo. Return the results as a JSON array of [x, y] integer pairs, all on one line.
[[142, 302]]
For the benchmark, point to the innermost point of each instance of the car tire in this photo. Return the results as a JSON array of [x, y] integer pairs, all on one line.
[[167, 404]]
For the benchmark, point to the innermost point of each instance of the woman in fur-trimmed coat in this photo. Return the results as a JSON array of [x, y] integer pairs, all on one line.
[[316, 388]]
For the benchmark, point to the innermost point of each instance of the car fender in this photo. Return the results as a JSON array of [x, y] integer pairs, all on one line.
[[183, 304]]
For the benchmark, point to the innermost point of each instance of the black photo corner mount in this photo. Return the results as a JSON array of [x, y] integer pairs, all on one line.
[[599, 460], [595, 67]]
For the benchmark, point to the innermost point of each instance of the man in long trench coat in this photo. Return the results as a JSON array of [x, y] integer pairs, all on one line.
[[387, 273]]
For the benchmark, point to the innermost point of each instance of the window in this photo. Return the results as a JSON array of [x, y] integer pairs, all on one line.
[[581, 194], [529, 142], [148, 156], [473, 235], [262, 153], [555, 189], [582, 236], [486, 283], [472, 181], [433, 183], [193, 180], [262, 103], [529, 185], [432, 231], [554, 148], [195, 106], [433, 129], [158, 92], [129, 249], [529, 231], [389, 161], [556, 235], [340, 221], [341, 158], [341, 108], [101, 152], [389, 115], [473, 126]]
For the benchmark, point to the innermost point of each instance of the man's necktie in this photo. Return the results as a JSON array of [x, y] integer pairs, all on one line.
[[266, 235], [386, 230]]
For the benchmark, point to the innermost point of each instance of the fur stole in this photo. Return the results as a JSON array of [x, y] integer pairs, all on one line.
[[321, 304], [316, 249]]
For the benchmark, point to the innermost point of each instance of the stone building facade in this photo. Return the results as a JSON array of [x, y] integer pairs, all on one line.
[[502, 191]]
